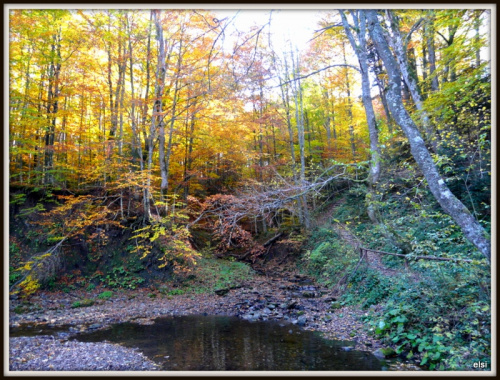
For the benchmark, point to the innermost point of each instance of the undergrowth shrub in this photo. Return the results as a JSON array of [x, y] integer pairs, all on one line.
[[83, 303], [328, 257], [119, 277], [440, 316], [438, 320], [213, 273], [106, 295]]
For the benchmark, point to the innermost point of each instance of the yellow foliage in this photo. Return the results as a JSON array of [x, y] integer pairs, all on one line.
[[29, 286]]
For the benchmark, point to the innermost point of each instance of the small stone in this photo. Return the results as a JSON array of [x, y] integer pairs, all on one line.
[[308, 294], [301, 321], [221, 292]]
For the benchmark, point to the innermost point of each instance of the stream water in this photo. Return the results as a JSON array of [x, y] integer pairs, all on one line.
[[222, 343], [215, 343]]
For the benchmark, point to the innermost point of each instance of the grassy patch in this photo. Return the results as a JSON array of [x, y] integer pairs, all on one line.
[[105, 295], [211, 274], [83, 303]]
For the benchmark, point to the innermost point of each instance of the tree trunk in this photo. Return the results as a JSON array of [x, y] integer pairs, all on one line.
[[473, 231], [361, 53], [157, 119], [172, 120], [429, 37], [191, 121], [477, 37], [327, 121], [399, 48], [52, 107], [286, 104], [349, 107], [148, 138], [299, 119], [136, 139]]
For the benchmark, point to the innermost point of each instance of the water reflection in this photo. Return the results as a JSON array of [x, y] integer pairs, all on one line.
[[204, 343]]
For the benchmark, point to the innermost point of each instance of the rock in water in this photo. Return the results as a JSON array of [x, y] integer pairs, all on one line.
[[301, 321], [383, 353]]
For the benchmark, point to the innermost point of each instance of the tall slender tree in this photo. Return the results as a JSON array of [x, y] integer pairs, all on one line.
[[471, 228]]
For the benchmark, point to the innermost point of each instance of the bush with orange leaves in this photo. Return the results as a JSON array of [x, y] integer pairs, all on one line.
[[224, 214]]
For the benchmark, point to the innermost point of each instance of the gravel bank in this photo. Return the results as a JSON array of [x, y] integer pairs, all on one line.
[[44, 353]]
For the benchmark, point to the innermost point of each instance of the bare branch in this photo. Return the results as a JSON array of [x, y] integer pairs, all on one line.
[[413, 29], [318, 71]]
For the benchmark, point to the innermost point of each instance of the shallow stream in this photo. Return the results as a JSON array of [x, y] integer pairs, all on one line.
[[222, 343]]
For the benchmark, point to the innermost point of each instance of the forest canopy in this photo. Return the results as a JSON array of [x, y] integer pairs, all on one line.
[[155, 121]]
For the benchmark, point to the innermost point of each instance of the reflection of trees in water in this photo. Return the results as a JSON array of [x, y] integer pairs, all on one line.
[[228, 343]]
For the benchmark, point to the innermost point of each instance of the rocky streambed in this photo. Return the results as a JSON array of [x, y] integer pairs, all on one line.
[[290, 300]]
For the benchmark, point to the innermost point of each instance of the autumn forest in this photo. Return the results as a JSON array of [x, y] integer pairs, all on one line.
[[146, 146]]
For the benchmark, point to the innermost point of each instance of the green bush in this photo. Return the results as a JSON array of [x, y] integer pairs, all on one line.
[[14, 276], [444, 329], [105, 295], [368, 287], [83, 303], [176, 292], [443, 319], [328, 257], [122, 278]]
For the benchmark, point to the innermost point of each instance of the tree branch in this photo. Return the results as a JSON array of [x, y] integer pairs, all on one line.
[[413, 29], [318, 71]]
